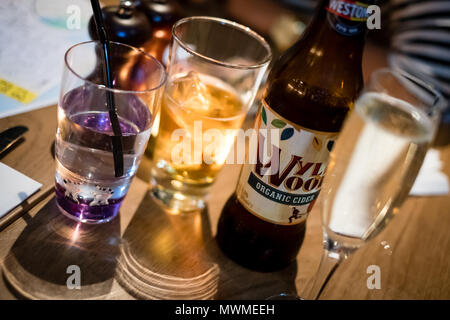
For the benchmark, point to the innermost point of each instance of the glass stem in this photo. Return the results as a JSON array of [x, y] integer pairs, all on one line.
[[329, 263]]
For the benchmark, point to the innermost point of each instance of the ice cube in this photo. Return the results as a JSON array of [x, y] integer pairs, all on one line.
[[190, 92]]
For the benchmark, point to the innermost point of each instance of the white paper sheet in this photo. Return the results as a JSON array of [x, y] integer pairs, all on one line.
[[14, 188], [32, 50]]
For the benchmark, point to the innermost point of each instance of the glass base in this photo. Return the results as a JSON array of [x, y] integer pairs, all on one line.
[[177, 196], [84, 213], [83, 220], [176, 201]]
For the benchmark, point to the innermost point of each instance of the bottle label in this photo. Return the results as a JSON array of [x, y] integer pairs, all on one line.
[[284, 181], [347, 17]]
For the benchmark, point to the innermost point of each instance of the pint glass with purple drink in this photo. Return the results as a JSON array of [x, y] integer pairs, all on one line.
[[86, 187]]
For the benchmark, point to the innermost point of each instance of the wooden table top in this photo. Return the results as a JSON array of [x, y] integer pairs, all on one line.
[[146, 252]]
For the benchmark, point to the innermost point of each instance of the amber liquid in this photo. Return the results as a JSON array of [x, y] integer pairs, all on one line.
[[195, 102]]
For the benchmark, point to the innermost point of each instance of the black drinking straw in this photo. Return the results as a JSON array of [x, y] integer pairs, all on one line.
[[116, 138]]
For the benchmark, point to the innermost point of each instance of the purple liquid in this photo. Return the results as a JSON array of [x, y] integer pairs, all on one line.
[[83, 211], [86, 188], [99, 123]]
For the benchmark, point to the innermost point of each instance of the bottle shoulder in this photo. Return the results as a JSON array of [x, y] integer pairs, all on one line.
[[321, 108], [315, 83]]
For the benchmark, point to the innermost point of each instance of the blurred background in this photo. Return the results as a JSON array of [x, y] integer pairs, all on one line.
[[414, 36]]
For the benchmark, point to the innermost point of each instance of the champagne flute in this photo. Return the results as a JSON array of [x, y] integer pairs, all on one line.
[[374, 164]]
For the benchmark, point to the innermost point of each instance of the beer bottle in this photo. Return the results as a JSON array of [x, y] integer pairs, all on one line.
[[309, 92]]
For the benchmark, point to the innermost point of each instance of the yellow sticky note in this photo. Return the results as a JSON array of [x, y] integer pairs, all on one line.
[[16, 92]]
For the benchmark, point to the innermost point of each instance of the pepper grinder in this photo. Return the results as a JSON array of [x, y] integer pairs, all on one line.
[[125, 24]]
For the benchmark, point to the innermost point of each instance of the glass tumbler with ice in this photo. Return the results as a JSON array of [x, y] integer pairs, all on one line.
[[215, 69]]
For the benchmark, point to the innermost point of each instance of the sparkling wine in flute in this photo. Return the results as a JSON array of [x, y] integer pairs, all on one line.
[[387, 139], [374, 164]]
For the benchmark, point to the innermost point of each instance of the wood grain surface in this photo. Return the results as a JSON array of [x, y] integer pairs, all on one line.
[[147, 253], [34, 156]]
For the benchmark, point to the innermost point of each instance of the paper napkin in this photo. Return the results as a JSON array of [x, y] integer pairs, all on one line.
[[431, 181]]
